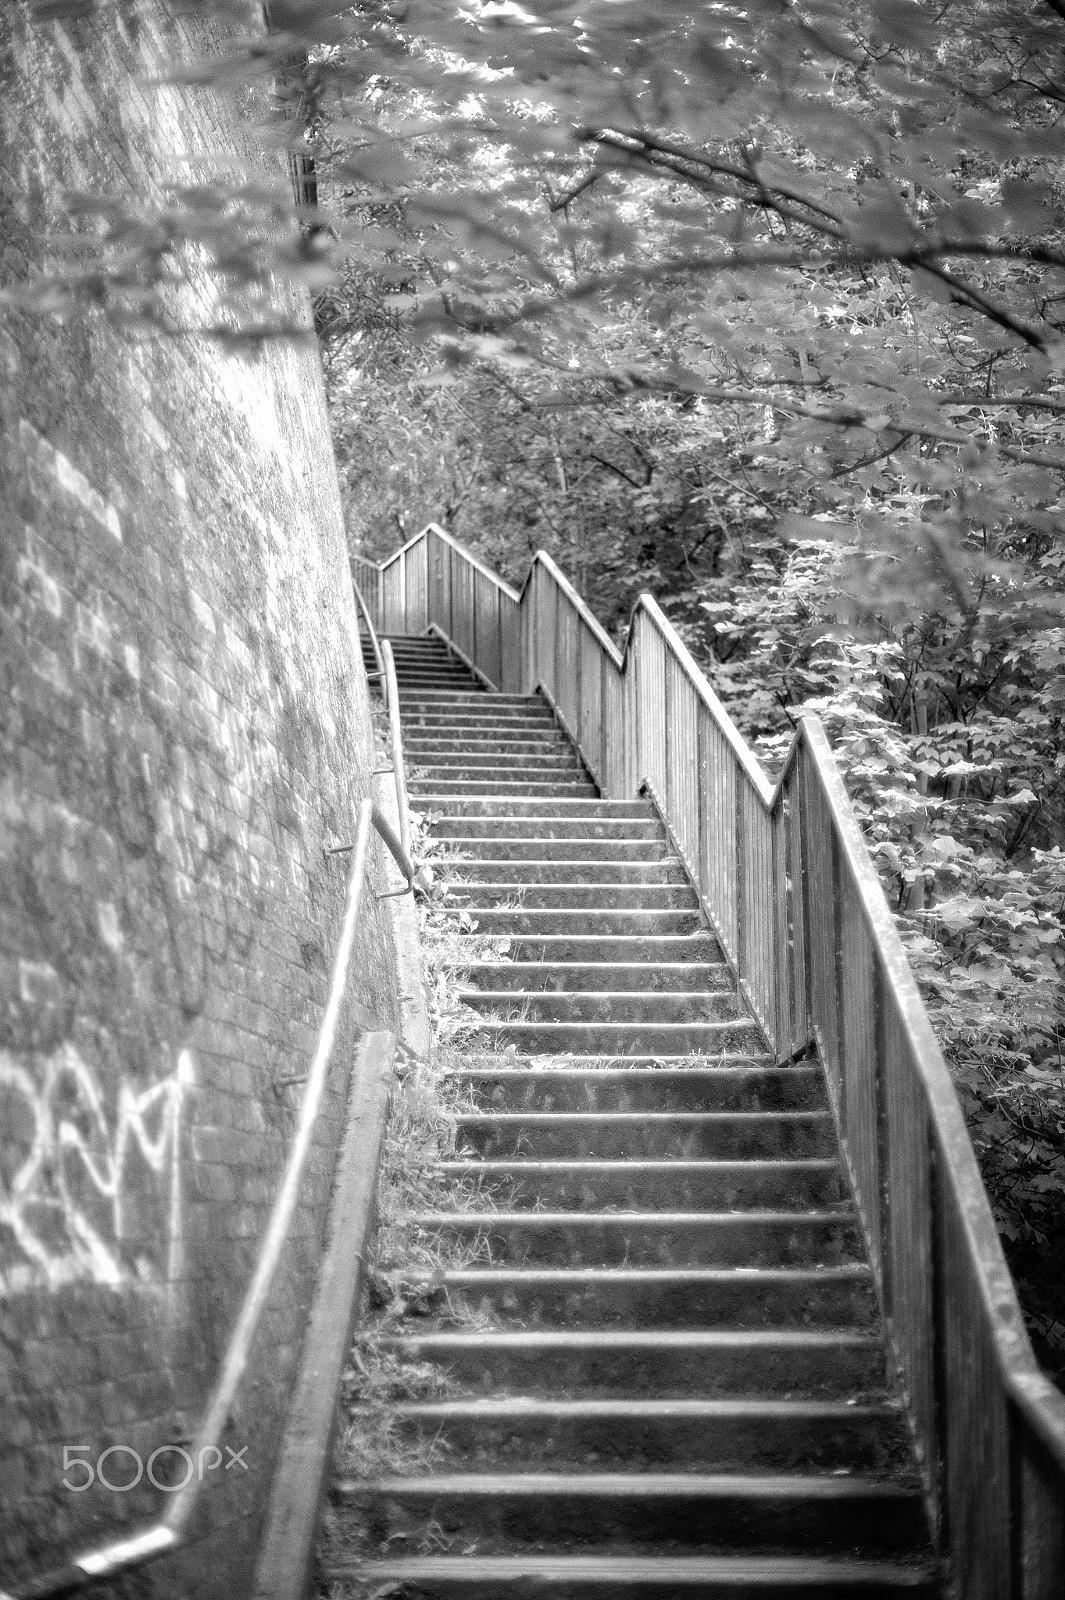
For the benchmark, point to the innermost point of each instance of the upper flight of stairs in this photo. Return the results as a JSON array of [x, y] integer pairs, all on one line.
[[667, 1373]]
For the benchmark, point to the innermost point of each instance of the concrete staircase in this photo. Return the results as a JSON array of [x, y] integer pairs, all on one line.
[[667, 1373]]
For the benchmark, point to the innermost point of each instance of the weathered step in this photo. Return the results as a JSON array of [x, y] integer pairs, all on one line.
[[517, 874], [626, 949], [434, 787], [574, 896], [473, 701], [649, 1238], [693, 1511], [570, 977], [664, 1363], [486, 756], [618, 1038], [476, 741], [654, 1185], [610, 1086], [524, 751], [590, 923], [476, 709], [622, 1005], [486, 810], [453, 712], [606, 832], [658, 1577], [771, 1435], [435, 675], [418, 722], [821, 1296], [490, 758], [608, 852], [689, 1135]]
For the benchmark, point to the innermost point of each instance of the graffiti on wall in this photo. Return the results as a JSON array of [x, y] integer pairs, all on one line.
[[75, 1191]]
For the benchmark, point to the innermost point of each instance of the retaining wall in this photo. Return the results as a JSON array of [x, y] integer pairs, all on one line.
[[183, 724]]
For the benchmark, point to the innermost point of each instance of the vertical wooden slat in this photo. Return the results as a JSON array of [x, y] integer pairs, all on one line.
[[785, 1038], [1039, 1527], [859, 1038], [909, 1233], [974, 1418]]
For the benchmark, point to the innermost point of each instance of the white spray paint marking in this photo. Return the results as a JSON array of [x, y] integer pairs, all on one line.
[[69, 1138]]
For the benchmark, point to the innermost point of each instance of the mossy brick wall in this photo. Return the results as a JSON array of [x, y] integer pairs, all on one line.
[[183, 724]]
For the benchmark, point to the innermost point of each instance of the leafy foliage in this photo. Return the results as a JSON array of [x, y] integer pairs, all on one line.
[[951, 746], [844, 216]]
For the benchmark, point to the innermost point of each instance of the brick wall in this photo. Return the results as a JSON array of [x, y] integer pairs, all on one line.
[[183, 723]]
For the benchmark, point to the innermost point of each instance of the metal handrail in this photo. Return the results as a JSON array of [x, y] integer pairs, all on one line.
[[168, 1533], [784, 877], [398, 768], [375, 643]]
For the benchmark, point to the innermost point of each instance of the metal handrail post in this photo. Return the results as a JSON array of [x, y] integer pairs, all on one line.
[[375, 643], [392, 702]]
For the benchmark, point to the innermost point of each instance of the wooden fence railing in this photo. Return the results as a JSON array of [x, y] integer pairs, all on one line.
[[784, 877]]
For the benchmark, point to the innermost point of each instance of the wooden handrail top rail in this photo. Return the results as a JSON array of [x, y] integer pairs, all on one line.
[[584, 611], [745, 756], [467, 555], [1034, 1393]]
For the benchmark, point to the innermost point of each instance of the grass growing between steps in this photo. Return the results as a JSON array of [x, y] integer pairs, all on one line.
[[405, 1270]]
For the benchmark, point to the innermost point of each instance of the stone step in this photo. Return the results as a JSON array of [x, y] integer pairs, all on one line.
[[616, 1038], [489, 760], [454, 709], [837, 1295], [435, 675], [571, 896], [691, 1510], [607, 831], [501, 780], [475, 784], [619, 1577], [590, 924], [429, 723], [698, 947], [662, 1185], [667, 869], [643, 1135], [609, 853], [750, 1238], [573, 977], [611, 1086], [662, 1363], [475, 699], [769, 1435], [426, 722], [474, 742], [594, 809], [622, 1006]]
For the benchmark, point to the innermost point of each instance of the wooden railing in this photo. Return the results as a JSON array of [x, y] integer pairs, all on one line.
[[784, 878], [431, 582]]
